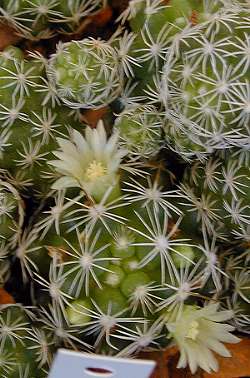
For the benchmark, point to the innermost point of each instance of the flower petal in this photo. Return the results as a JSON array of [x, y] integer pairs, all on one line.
[[65, 182]]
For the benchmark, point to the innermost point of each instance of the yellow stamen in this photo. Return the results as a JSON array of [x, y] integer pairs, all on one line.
[[95, 170], [193, 330]]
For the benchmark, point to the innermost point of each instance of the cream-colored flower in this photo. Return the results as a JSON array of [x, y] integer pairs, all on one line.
[[91, 162], [199, 331]]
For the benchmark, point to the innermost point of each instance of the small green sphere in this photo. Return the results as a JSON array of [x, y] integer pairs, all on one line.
[[86, 74]]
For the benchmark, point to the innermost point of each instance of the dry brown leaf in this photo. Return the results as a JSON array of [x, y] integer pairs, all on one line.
[[236, 366], [5, 297], [102, 17], [95, 21], [8, 36], [91, 117]]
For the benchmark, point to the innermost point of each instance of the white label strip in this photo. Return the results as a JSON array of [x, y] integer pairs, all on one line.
[[70, 364]]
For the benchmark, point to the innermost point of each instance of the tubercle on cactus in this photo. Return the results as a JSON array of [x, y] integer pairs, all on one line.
[[105, 322], [101, 214], [152, 7], [145, 298], [127, 61], [154, 50], [55, 323], [139, 131], [156, 237], [54, 284], [140, 337], [86, 262], [151, 193]]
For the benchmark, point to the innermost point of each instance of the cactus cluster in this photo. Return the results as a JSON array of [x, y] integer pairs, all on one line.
[[135, 233]]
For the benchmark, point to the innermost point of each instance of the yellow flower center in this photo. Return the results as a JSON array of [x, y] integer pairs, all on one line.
[[95, 170], [193, 331]]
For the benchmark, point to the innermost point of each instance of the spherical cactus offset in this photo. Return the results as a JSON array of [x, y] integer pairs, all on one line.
[[206, 85], [140, 131], [86, 73]]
